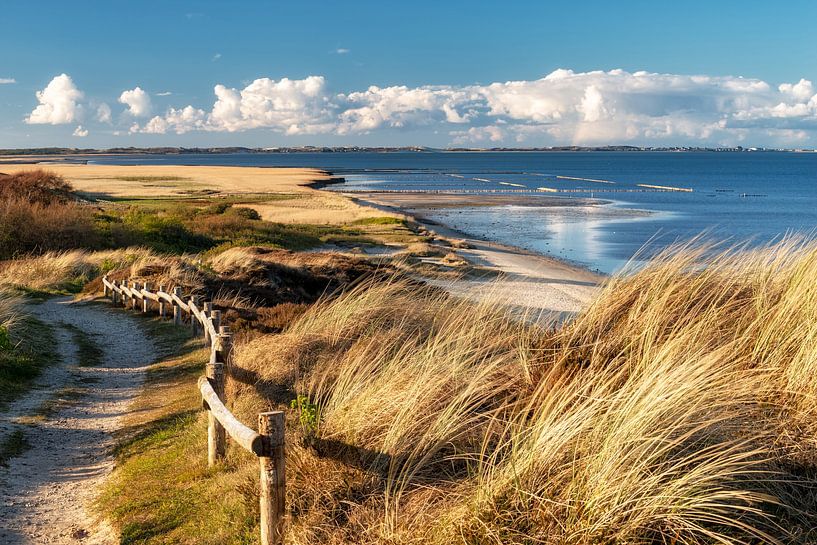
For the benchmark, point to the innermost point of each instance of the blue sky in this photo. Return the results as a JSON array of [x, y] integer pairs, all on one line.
[[424, 73]]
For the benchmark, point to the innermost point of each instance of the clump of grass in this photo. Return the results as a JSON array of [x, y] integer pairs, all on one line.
[[89, 352], [381, 220], [13, 445], [26, 346]]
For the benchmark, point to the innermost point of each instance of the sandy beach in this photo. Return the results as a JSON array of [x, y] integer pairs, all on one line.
[[533, 283]]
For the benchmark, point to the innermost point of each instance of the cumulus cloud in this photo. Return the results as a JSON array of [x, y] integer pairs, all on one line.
[[137, 101], [59, 103], [287, 106], [595, 107], [80, 131], [103, 113], [6, 81]]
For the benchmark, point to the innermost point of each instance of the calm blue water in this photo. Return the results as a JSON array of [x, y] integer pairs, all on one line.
[[780, 194]]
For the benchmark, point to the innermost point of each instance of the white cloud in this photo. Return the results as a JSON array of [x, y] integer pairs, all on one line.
[[288, 106], [179, 121], [216, 57], [164, 94], [6, 81], [342, 51], [59, 103], [80, 131], [137, 101], [103, 113], [563, 107]]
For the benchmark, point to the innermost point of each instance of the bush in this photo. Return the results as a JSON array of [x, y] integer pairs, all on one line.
[[27, 227], [36, 187]]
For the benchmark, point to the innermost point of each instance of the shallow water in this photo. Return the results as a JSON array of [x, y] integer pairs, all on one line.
[[736, 196]]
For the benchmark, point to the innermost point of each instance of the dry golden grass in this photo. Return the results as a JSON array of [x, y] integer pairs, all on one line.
[[319, 208], [678, 408], [66, 271]]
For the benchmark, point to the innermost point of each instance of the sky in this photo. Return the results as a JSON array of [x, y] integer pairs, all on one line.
[[425, 73]]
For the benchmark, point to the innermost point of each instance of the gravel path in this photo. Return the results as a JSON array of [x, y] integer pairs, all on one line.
[[45, 492]]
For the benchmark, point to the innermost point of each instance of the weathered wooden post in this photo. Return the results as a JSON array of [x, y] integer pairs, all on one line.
[[215, 317], [195, 300], [177, 311], [161, 302], [208, 308], [273, 478], [216, 435], [224, 344], [104, 287], [125, 300], [145, 298], [134, 287], [114, 293]]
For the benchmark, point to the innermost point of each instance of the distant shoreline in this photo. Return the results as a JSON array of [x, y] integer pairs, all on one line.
[[49, 153]]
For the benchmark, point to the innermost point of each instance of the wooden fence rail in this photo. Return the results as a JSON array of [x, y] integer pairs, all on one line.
[[267, 443]]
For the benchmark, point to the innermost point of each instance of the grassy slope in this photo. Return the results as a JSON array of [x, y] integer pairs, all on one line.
[[677, 409], [33, 348], [162, 490]]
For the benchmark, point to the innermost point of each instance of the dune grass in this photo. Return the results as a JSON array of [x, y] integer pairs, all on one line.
[[26, 346], [678, 408]]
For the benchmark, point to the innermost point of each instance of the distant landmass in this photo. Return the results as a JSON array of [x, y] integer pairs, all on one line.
[[354, 149]]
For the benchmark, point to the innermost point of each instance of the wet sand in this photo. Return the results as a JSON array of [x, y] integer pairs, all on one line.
[[539, 286]]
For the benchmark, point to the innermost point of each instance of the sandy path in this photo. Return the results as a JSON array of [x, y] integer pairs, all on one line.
[[45, 492]]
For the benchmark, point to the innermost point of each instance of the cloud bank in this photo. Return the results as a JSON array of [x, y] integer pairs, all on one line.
[[564, 107]]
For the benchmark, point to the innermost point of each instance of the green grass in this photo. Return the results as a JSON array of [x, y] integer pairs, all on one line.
[[31, 348], [162, 490], [89, 353], [382, 220], [13, 445]]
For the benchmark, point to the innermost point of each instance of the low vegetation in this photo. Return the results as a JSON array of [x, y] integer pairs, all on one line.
[[40, 212]]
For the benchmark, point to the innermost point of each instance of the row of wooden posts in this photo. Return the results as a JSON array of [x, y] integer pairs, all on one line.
[[267, 443]]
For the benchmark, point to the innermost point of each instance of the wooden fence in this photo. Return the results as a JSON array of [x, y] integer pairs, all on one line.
[[267, 443]]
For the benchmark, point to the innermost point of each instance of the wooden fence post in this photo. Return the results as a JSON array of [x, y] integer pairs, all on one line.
[[114, 294], [145, 300], [208, 308], [125, 299], [194, 322], [161, 303], [215, 317], [177, 311], [223, 344], [273, 478], [216, 435], [133, 286]]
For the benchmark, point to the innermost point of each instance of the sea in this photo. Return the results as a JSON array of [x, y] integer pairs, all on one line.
[[642, 201]]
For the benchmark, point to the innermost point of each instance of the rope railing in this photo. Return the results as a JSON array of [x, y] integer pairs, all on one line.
[[267, 443]]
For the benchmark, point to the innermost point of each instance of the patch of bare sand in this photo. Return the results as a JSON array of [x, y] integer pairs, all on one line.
[[318, 207], [170, 181]]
